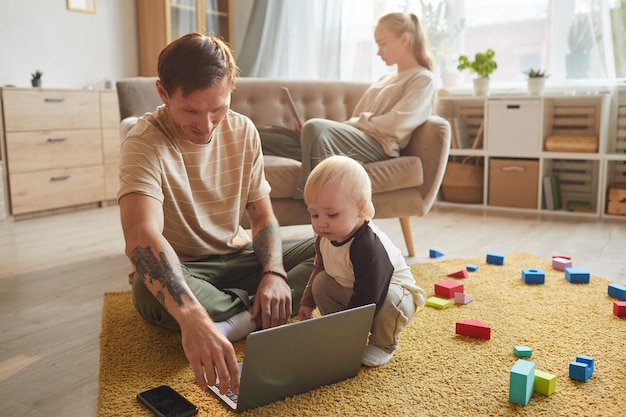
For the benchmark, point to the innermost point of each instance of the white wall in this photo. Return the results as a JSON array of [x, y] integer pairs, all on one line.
[[72, 49]]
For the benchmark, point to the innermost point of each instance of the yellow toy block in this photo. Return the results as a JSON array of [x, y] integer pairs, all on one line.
[[438, 302], [545, 383]]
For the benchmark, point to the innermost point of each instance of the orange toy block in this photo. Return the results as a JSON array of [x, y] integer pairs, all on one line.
[[459, 274], [473, 328], [446, 289]]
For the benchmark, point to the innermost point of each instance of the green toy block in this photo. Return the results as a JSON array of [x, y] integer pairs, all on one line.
[[438, 302], [545, 383], [521, 382]]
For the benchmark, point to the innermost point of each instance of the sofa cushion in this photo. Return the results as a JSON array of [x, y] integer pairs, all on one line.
[[389, 175]]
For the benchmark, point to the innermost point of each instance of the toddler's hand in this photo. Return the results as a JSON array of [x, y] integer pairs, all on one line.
[[305, 313]]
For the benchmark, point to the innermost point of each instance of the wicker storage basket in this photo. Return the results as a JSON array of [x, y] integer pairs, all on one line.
[[463, 181]]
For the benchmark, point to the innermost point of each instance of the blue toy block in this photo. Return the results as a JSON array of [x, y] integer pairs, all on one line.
[[471, 267], [579, 371], [577, 275], [434, 254], [617, 291], [495, 258], [521, 382], [533, 276], [522, 351], [588, 360]]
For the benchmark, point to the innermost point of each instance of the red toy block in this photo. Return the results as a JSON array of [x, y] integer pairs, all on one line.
[[446, 289], [473, 328], [459, 274], [619, 308]]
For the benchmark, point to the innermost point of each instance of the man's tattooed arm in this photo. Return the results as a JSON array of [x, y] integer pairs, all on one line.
[[151, 269]]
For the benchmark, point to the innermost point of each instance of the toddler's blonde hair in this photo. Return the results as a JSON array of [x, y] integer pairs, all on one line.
[[347, 174]]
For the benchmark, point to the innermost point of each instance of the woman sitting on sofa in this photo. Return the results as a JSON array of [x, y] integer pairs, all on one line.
[[387, 114]]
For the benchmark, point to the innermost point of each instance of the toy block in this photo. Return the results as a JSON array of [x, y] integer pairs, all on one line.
[[617, 291], [619, 308], [495, 258], [459, 274], [579, 371], [587, 360], [560, 263], [562, 256], [446, 289], [471, 267], [533, 276], [545, 383], [434, 254], [577, 275], [521, 382], [462, 298], [522, 351], [473, 328], [438, 302]]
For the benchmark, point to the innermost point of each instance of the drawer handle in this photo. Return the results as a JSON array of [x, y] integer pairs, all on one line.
[[60, 178], [57, 139], [512, 106], [54, 100]]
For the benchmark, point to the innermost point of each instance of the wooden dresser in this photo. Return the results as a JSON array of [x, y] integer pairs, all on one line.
[[59, 148]]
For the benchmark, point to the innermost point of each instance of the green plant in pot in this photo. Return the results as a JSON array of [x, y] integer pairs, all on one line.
[[483, 66], [581, 38], [35, 79], [536, 81]]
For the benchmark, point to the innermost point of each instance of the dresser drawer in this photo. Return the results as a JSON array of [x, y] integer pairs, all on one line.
[[55, 188], [47, 149], [111, 143], [26, 109], [111, 181], [109, 109]]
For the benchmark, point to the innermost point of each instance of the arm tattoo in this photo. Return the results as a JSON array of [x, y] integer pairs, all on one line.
[[267, 246], [148, 267]]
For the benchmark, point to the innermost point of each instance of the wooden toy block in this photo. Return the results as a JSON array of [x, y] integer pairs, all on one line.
[[522, 351], [462, 273], [587, 360], [560, 263], [446, 289], [562, 256], [495, 258], [434, 254], [533, 276], [473, 328], [521, 382], [438, 302], [617, 291], [619, 308], [462, 298], [577, 275], [579, 371], [471, 267], [545, 383]]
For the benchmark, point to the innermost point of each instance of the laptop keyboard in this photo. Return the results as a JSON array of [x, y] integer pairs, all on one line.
[[231, 395]]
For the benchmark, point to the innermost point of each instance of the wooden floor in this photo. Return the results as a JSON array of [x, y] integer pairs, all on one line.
[[54, 271]]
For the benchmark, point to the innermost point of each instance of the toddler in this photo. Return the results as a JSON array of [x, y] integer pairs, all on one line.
[[356, 263]]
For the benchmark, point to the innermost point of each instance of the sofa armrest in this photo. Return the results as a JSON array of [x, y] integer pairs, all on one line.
[[431, 143], [127, 124]]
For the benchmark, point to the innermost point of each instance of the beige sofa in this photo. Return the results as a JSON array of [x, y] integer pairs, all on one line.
[[402, 187]]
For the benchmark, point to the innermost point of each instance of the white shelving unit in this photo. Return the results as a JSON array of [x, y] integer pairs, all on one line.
[[514, 135], [615, 158]]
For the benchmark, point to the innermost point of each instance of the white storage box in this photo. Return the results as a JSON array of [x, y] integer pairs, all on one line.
[[514, 126]]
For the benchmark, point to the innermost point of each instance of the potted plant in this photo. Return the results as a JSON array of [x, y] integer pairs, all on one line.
[[536, 81], [483, 66], [580, 40], [36, 78]]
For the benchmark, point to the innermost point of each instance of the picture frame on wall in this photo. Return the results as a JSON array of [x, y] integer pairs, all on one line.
[[85, 6]]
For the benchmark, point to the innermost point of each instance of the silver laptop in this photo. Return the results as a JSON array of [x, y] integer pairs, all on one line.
[[288, 360], [292, 106]]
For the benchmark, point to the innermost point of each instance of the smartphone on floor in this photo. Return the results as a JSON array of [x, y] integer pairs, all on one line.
[[164, 401]]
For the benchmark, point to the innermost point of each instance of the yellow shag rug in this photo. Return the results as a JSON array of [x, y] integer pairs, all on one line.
[[434, 371]]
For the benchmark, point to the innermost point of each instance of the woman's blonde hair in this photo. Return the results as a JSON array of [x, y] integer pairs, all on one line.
[[404, 22], [347, 174]]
